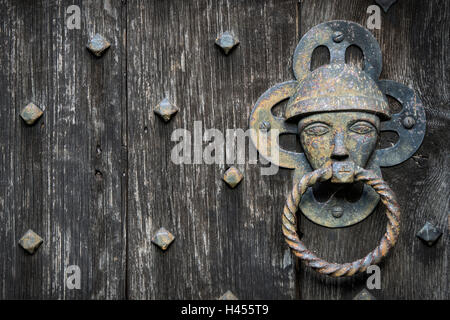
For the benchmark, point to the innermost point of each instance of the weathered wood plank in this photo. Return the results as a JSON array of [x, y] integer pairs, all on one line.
[[413, 38], [63, 176], [226, 239], [94, 177]]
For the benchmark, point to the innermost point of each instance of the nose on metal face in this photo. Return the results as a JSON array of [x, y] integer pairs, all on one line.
[[340, 151], [343, 171]]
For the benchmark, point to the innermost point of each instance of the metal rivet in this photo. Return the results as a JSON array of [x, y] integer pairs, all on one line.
[[429, 234], [227, 41], [97, 45], [385, 4], [233, 176], [30, 241], [228, 296], [163, 238], [409, 122], [338, 36], [337, 212], [364, 295], [165, 109], [31, 113], [265, 126]]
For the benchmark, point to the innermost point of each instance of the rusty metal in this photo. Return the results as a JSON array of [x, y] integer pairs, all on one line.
[[163, 238], [350, 108], [385, 4], [98, 45], [265, 126], [410, 139], [338, 111], [337, 212], [233, 177], [228, 296], [30, 241], [227, 41], [31, 113], [166, 110], [388, 240], [408, 122], [364, 295], [429, 234], [322, 213], [337, 87], [338, 36], [322, 35]]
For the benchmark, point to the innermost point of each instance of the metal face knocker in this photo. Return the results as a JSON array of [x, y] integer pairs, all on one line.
[[338, 111]]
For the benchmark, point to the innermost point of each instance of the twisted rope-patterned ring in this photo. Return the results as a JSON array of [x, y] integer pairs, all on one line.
[[335, 269]]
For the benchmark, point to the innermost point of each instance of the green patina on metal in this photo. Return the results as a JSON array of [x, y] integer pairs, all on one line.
[[166, 110], [31, 113], [30, 241], [98, 45], [338, 111], [233, 177], [227, 41], [163, 238]]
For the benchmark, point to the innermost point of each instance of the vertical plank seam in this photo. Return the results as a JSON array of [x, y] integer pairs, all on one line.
[[125, 173]]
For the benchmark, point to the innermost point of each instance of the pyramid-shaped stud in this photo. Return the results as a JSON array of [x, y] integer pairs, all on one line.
[[228, 296], [227, 41], [163, 238], [165, 109], [233, 176], [30, 241], [31, 113], [385, 4], [97, 45], [429, 234], [364, 295]]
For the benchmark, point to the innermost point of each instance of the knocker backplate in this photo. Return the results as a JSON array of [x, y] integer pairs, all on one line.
[[409, 123]]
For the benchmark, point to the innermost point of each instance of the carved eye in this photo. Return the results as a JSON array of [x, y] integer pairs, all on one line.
[[316, 129], [361, 127]]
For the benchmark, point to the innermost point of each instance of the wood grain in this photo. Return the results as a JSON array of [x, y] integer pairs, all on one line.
[[226, 239], [94, 176], [413, 39], [63, 176]]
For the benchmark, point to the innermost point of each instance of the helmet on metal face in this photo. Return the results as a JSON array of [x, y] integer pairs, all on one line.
[[337, 87]]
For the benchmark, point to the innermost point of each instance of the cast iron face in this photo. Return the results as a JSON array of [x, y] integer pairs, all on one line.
[[338, 112]]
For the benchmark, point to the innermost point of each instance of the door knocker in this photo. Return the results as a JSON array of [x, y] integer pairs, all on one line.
[[338, 111]]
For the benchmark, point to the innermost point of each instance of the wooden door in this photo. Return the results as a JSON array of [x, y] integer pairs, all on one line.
[[94, 177]]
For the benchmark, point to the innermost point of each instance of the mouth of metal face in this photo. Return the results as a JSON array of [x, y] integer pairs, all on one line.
[[350, 192]]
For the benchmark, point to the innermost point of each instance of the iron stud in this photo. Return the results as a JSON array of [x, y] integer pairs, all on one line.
[[364, 295], [227, 41], [30, 241], [233, 176], [163, 238], [31, 113], [429, 234], [97, 45], [165, 109], [385, 4], [228, 296]]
